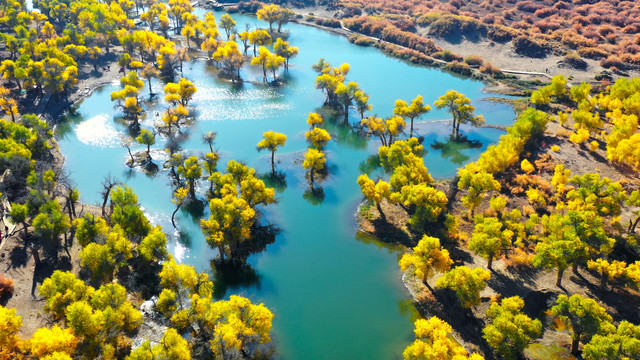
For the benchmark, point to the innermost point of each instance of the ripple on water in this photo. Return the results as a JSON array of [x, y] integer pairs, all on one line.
[[216, 104], [98, 131]]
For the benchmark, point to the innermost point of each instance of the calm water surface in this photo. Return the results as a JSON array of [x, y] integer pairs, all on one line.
[[333, 296]]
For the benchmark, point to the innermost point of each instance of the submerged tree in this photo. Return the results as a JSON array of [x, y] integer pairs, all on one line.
[[460, 108], [413, 111], [272, 141]]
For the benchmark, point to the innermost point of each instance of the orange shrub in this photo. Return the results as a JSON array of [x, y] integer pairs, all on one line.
[[612, 61], [6, 286], [473, 60], [490, 69], [592, 53]]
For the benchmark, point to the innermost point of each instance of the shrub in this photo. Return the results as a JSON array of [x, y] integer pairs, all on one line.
[[528, 6], [474, 60], [328, 22], [555, 148], [352, 9], [450, 25], [6, 286], [501, 33], [592, 53], [250, 7], [426, 19], [575, 41], [459, 67], [490, 69], [526, 46], [447, 55], [575, 61], [545, 12], [631, 29], [612, 61], [361, 40]]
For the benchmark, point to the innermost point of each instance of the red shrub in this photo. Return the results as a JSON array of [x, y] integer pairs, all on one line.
[[631, 29], [545, 12], [528, 6]]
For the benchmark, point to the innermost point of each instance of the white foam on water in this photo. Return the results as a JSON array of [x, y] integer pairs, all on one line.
[[98, 131]]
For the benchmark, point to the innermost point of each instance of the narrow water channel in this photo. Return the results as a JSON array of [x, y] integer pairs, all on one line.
[[333, 296]]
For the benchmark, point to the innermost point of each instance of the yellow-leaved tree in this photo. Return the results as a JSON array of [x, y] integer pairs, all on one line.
[[434, 341], [272, 141], [426, 258]]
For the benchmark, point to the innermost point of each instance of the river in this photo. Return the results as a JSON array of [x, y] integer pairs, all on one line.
[[334, 296]]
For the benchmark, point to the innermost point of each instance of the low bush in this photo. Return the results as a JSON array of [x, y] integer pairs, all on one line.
[[474, 60], [447, 55], [6, 286], [526, 46], [490, 69], [451, 25], [501, 33], [459, 67], [328, 22], [575, 61], [612, 61], [592, 53]]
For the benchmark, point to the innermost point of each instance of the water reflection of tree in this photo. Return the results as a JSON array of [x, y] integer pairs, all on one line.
[[369, 165], [315, 195], [341, 132], [236, 272], [276, 180], [452, 150]]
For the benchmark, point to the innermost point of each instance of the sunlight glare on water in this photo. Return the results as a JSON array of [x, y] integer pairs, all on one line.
[[98, 131], [223, 104]]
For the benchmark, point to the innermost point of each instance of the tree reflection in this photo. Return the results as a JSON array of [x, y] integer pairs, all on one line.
[[453, 150], [315, 195]]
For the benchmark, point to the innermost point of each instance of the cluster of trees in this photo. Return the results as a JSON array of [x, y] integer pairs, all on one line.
[[409, 185], [100, 322], [609, 116], [331, 80], [317, 137], [510, 331], [574, 223], [231, 58]]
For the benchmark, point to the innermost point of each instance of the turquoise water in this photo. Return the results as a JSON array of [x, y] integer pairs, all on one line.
[[333, 296]]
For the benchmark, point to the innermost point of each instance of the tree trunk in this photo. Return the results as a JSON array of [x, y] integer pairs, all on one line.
[[453, 129], [603, 282], [192, 189], [346, 113], [311, 177], [382, 215], [575, 343], [264, 70], [411, 133], [273, 164], [559, 278], [633, 228], [174, 215], [490, 261], [458, 130], [150, 92], [131, 155], [221, 251], [574, 268]]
